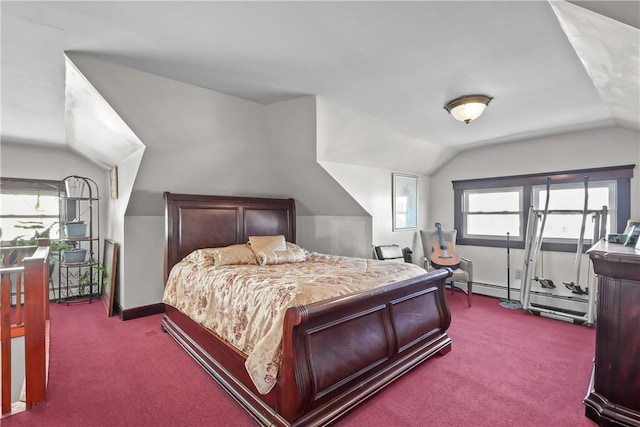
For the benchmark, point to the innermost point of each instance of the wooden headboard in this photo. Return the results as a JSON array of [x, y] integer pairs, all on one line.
[[195, 221]]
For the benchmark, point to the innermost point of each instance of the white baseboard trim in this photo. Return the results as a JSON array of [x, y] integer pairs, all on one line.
[[575, 304]]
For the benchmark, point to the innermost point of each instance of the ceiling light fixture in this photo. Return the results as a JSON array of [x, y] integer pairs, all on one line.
[[468, 107]]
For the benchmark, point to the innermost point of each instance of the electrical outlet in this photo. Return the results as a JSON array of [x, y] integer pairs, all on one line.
[[518, 274]]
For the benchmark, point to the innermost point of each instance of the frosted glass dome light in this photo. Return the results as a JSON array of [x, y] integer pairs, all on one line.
[[468, 107]]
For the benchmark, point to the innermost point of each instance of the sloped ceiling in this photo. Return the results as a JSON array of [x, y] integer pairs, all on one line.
[[609, 53], [93, 127], [397, 61]]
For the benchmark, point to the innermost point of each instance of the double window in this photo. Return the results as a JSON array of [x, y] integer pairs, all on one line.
[[487, 209]]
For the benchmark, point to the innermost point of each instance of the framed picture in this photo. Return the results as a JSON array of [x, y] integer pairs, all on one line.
[[405, 202], [113, 182], [110, 264]]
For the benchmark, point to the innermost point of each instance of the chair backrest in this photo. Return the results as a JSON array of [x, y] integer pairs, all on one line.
[[389, 253], [429, 237]]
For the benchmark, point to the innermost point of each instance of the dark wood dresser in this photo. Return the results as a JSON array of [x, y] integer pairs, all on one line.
[[613, 398]]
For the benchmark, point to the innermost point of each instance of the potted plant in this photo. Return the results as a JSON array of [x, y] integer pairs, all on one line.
[[73, 254], [85, 280], [41, 231], [75, 229]]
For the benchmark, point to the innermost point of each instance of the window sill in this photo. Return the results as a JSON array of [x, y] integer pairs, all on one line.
[[546, 246]]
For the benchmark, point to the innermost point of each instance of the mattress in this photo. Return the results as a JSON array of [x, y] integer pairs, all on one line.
[[245, 304]]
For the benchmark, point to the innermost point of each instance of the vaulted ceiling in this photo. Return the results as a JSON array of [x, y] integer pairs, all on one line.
[[552, 67]]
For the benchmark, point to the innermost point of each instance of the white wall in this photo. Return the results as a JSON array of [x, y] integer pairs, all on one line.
[[372, 189], [329, 219], [580, 150], [37, 162], [338, 235], [142, 258], [349, 143], [127, 172], [204, 142]]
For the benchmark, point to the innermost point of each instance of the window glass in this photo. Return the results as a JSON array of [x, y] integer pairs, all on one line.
[[23, 213], [494, 225], [494, 201], [567, 200], [493, 213], [573, 198], [401, 211]]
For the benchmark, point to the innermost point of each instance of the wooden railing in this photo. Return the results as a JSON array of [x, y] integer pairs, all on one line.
[[31, 277], [13, 256]]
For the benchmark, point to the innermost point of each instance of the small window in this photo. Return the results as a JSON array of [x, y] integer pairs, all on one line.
[[28, 210], [491, 213], [566, 202]]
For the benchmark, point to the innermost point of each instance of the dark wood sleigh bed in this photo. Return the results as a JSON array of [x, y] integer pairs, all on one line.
[[335, 353]]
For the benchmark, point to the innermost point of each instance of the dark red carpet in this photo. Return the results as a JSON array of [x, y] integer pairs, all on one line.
[[506, 368]]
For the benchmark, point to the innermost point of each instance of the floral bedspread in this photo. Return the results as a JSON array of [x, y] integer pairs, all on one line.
[[245, 304]]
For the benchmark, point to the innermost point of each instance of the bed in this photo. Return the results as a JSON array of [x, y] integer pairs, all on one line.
[[383, 332]]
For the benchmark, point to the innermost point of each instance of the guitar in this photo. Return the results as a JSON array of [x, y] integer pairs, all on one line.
[[443, 254]]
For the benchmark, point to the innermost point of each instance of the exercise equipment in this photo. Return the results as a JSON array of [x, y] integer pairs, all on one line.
[[545, 283], [575, 286], [533, 245]]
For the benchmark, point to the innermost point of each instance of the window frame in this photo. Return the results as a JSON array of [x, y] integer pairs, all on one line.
[[465, 213], [621, 174]]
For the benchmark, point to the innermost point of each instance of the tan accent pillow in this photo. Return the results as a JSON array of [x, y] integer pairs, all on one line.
[[293, 246], [267, 244], [235, 255], [281, 257], [202, 256]]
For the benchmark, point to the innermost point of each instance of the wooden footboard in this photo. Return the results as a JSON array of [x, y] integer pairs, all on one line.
[[336, 353]]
